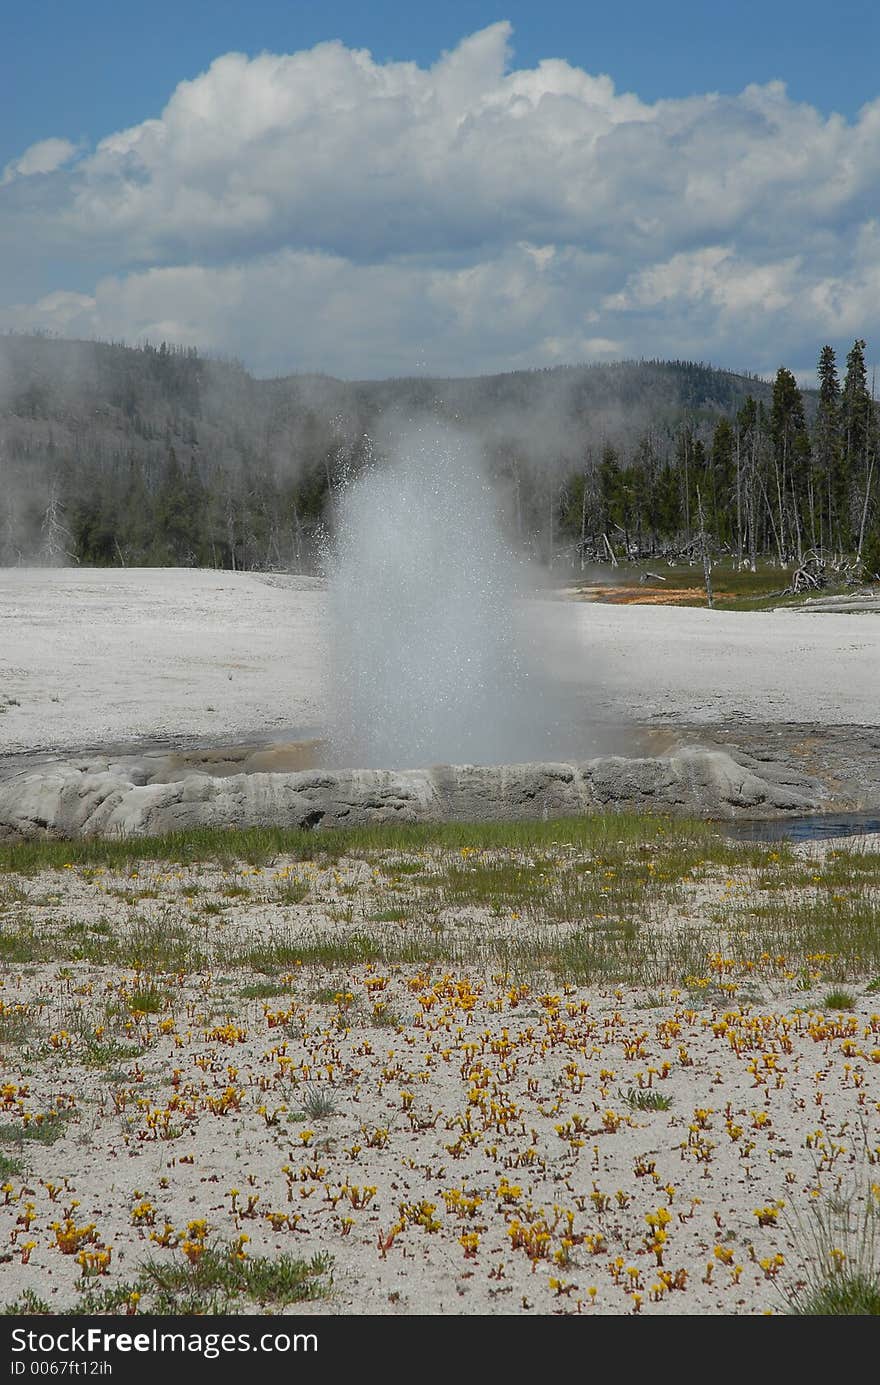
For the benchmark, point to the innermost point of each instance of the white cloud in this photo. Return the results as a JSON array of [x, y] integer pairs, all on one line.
[[44, 157], [468, 213], [322, 312], [711, 275]]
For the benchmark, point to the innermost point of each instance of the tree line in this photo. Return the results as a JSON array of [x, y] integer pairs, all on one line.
[[766, 483], [111, 455]]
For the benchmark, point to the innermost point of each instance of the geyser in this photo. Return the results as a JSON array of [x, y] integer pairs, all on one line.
[[429, 662]]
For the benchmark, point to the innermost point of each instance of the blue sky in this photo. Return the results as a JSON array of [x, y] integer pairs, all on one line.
[[507, 205]]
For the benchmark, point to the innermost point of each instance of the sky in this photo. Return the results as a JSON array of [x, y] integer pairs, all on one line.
[[376, 190]]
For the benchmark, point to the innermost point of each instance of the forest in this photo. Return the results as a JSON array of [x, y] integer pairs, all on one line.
[[154, 455]]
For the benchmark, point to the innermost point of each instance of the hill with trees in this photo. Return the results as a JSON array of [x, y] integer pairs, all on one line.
[[111, 454]]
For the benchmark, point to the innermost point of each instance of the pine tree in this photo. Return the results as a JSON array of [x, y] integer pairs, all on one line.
[[610, 490], [828, 467], [856, 404], [722, 490], [667, 502], [859, 441], [137, 520], [788, 435], [179, 506]]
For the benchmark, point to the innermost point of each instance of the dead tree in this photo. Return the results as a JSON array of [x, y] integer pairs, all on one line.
[[707, 562], [56, 537]]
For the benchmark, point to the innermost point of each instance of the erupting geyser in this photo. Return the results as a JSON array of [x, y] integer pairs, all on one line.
[[427, 660]]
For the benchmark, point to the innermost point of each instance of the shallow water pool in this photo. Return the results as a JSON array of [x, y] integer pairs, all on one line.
[[812, 828]]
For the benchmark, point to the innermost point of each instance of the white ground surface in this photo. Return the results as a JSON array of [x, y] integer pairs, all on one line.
[[480, 1154], [787, 1092], [92, 658]]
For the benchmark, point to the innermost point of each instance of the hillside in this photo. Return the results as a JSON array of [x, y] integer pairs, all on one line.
[[117, 454]]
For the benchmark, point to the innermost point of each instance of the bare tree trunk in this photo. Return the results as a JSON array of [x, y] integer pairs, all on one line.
[[230, 532], [516, 488], [56, 535], [797, 525], [780, 487], [739, 532], [297, 535], [707, 564], [687, 494], [751, 498], [865, 509], [776, 538]]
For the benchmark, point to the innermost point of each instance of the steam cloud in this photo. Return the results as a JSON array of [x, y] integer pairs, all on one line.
[[430, 662]]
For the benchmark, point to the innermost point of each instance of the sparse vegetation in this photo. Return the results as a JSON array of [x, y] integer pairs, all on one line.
[[16, 1024], [147, 1000], [839, 1000], [648, 1099], [318, 1103], [219, 1277], [45, 1129], [29, 1303], [839, 1240], [564, 983]]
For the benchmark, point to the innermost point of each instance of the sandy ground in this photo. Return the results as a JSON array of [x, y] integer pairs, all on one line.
[[478, 1150], [95, 658]]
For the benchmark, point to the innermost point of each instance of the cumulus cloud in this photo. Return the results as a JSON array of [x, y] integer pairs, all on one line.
[[315, 311], [322, 210], [43, 157]]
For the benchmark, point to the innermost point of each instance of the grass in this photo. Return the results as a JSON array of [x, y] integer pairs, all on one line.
[[842, 926], [16, 1025], [264, 990], [30, 1304], [291, 892], [838, 1239], [843, 867], [318, 1103], [20, 943], [603, 951], [220, 1280], [647, 1099], [95, 1054], [839, 1000], [160, 945], [592, 894], [44, 1132], [147, 1000], [399, 915], [10, 1167], [736, 589], [219, 1277], [843, 1295], [260, 845], [333, 951]]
